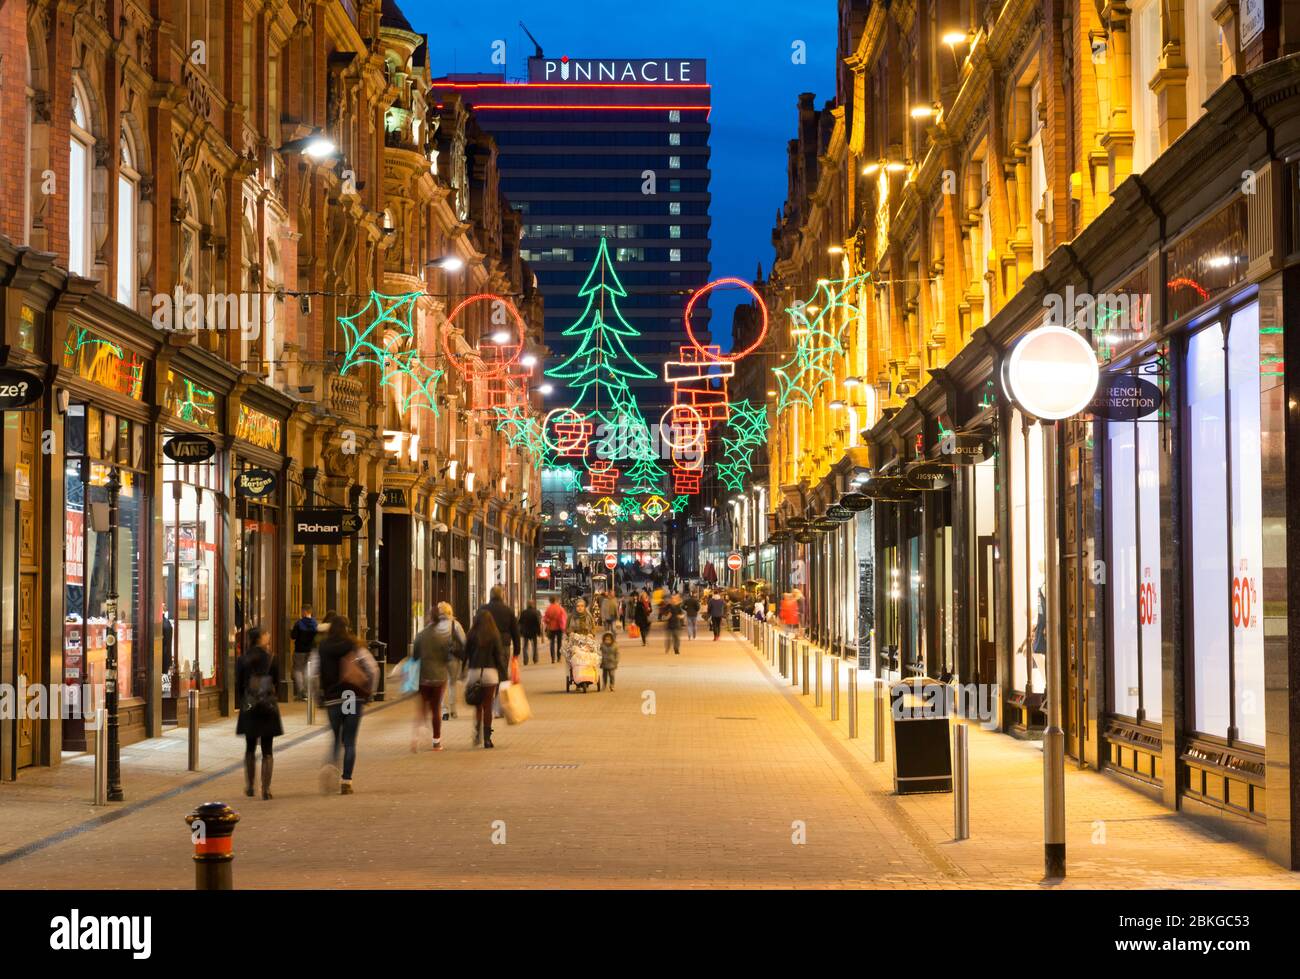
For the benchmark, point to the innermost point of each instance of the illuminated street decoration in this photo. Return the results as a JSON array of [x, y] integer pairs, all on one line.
[[749, 425], [686, 482], [731, 476], [496, 360], [381, 334], [680, 503], [712, 353], [604, 507], [654, 506], [598, 371], [604, 476], [523, 431], [699, 381], [820, 325]]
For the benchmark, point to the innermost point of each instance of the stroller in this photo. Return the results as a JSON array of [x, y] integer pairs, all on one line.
[[582, 659]]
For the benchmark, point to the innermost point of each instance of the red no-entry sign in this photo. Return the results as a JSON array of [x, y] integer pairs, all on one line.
[[610, 561], [734, 561]]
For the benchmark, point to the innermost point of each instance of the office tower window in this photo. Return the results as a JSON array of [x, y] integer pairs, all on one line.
[[674, 139], [674, 208]]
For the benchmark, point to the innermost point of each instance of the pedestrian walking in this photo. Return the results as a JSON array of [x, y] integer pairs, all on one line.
[[717, 610], [675, 617], [641, 615], [303, 635], [504, 616], [760, 610], [608, 610], [436, 648], [608, 661], [581, 621], [789, 613], [347, 681], [555, 620], [691, 608], [530, 628], [257, 682], [489, 664]]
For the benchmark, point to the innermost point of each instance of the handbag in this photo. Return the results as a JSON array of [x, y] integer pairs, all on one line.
[[474, 690], [633, 630], [358, 670]]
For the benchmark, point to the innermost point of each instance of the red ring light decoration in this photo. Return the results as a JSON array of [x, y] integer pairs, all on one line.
[[546, 423], [504, 365], [700, 428], [708, 287]]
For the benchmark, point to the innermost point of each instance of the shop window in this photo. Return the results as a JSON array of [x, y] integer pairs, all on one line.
[[100, 449], [257, 543], [1028, 567], [1135, 535], [192, 561]]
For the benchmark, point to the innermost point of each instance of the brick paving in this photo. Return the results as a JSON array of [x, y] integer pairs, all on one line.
[[701, 770]]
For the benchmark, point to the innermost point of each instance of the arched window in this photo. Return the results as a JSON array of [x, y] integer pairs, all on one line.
[[128, 182], [81, 144]]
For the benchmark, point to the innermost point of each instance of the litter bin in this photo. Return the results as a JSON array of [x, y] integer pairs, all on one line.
[[379, 650], [922, 740]]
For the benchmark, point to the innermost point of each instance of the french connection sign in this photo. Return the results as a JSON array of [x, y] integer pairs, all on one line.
[[616, 71]]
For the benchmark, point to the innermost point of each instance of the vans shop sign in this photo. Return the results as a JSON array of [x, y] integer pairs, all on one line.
[[189, 448], [322, 525]]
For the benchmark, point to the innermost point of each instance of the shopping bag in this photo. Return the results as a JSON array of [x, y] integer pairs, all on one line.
[[410, 675], [514, 669], [633, 631], [515, 704]]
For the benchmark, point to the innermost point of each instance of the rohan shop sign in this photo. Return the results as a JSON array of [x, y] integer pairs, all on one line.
[[324, 525]]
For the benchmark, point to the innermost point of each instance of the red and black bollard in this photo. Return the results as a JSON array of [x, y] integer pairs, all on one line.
[[212, 828]]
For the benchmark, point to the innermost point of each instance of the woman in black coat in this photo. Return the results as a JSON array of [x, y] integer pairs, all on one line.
[[257, 685], [489, 664]]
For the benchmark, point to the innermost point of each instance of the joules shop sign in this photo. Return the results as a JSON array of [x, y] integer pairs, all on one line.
[[612, 71]]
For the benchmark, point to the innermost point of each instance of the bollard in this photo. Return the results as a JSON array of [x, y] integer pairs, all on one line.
[[311, 698], [835, 689], [960, 784], [101, 757], [879, 710], [192, 718], [853, 701], [212, 830], [803, 665], [819, 677]]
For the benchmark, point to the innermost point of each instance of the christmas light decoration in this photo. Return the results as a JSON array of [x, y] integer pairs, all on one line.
[[709, 287], [680, 503], [654, 506], [387, 341], [498, 358], [819, 325]]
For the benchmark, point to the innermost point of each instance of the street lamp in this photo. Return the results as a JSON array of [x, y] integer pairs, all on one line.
[[1051, 374], [114, 486], [316, 144], [447, 263]]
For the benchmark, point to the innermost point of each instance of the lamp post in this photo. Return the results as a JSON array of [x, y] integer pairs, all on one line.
[[114, 485], [1052, 374]]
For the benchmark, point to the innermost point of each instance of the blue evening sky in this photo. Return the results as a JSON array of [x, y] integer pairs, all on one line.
[[756, 85]]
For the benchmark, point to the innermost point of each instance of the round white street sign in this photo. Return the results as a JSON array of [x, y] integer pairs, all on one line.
[[1051, 373]]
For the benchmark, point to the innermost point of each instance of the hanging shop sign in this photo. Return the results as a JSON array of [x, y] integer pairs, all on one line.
[[797, 523], [189, 448], [1051, 373], [964, 448], [824, 524], [855, 501], [839, 513], [324, 525], [394, 497], [928, 476], [805, 536], [888, 488], [255, 483], [778, 537], [18, 389], [1124, 398]]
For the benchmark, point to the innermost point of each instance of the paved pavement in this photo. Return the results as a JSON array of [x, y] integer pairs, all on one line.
[[701, 770]]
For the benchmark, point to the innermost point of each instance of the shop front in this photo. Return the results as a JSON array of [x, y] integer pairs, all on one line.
[[261, 558]]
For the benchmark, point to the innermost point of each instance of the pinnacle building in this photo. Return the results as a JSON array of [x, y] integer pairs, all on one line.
[[593, 148]]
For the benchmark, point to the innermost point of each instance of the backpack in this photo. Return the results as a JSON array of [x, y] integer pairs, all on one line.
[[359, 671], [259, 695]]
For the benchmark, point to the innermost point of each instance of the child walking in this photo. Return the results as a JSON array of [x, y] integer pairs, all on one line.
[[608, 660]]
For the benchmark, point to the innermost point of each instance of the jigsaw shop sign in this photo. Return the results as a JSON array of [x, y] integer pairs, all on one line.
[[617, 71]]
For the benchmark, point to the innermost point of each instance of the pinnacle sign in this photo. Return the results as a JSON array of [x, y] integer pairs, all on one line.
[[615, 71]]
